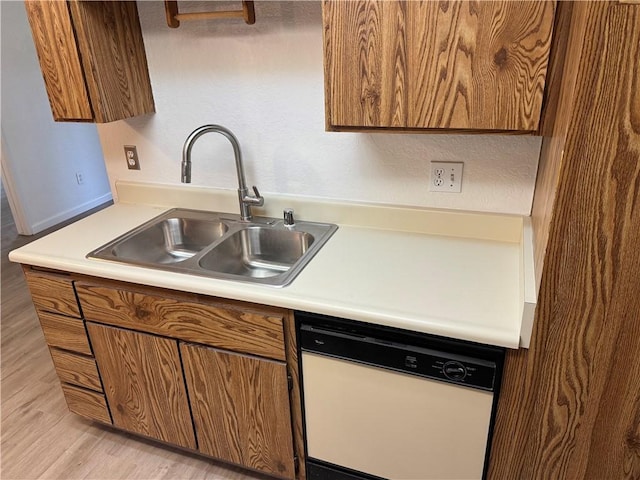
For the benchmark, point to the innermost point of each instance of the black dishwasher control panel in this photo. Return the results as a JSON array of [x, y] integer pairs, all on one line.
[[397, 355]]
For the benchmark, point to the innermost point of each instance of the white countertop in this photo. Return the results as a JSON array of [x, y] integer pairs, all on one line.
[[468, 285]]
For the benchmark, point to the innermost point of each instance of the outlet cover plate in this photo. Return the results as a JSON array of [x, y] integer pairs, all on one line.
[[446, 177], [131, 154]]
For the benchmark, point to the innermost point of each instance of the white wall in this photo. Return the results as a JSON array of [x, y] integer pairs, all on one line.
[[265, 83], [40, 157]]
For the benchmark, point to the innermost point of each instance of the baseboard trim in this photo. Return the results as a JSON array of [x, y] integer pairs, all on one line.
[[67, 214]]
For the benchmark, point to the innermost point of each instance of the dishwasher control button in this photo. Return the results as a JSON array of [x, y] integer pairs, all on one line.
[[454, 371], [410, 362]]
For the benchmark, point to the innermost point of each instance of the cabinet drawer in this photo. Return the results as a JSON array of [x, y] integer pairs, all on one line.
[[86, 403], [76, 369], [66, 333], [246, 331], [52, 293]]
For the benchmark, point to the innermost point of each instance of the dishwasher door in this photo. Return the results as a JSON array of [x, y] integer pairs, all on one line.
[[387, 423]]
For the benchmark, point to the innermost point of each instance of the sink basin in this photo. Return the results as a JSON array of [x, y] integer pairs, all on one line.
[[169, 241], [258, 252], [220, 245]]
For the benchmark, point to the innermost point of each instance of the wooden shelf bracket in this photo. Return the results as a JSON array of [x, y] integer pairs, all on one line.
[[174, 16]]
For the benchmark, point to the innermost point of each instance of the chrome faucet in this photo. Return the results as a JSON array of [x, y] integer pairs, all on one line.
[[244, 198]]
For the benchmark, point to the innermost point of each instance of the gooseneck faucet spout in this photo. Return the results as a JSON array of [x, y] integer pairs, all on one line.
[[245, 199]]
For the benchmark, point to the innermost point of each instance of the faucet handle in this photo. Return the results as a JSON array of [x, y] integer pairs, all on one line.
[[259, 198], [247, 199]]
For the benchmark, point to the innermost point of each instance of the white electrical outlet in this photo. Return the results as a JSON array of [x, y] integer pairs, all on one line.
[[79, 178], [446, 177], [131, 154]]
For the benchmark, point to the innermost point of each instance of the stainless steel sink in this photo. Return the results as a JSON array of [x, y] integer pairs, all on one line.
[[170, 240], [219, 245], [258, 252]]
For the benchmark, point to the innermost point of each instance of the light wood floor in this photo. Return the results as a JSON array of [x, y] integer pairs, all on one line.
[[39, 437]]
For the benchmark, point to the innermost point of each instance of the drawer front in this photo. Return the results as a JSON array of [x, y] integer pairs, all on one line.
[[230, 329], [53, 293], [66, 333], [86, 403], [76, 369]]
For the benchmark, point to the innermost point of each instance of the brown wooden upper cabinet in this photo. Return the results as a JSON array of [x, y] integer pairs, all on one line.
[[92, 58], [457, 65]]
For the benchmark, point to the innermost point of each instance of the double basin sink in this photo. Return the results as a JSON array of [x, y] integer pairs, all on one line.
[[220, 245]]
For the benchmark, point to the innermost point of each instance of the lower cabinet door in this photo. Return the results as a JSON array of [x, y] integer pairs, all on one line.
[[143, 383], [240, 406]]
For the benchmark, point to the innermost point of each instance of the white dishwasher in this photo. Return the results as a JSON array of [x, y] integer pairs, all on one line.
[[390, 404]]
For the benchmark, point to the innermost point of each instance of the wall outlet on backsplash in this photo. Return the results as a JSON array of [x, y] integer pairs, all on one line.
[[446, 177], [131, 154]]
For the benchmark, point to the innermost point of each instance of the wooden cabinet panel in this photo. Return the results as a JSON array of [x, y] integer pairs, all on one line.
[[86, 403], [240, 408], [491, 74], [143, 382], [239, 330], [365, 63], [63, 332], [569, 406], [61, 68], [52, 293], [92, 59], [436, 65], [115, 64], [76, 369]]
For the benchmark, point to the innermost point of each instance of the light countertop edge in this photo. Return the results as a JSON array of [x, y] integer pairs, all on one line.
[[472, 285], [529, 288]]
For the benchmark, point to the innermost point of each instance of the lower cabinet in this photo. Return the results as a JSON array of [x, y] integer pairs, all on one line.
[[239, 404], [56, 304], [143, 382], [209, 375]]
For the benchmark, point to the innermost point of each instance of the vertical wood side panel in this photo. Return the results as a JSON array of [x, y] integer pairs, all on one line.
[[295, 395], [571, 403], [551, 154]]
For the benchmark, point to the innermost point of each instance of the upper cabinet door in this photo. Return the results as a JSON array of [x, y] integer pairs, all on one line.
[[51, 28], [92, 59], [457, 65]]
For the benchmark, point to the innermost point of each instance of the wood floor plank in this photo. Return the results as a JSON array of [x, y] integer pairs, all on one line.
[[41, 439]]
